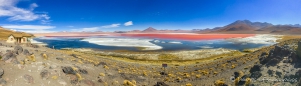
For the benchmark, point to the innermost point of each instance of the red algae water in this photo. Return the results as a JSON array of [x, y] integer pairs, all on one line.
[[190, 36]]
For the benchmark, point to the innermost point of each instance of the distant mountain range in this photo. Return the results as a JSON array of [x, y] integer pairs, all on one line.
[[239, 26], [246, 26]]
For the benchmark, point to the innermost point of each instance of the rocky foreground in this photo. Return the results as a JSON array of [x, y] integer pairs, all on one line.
[[31, 65]]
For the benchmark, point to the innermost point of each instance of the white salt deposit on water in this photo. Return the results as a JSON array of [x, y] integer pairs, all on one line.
[[124, 42], [156, 41], [257, 39], [37, 42], [175, 42], [205, 47]]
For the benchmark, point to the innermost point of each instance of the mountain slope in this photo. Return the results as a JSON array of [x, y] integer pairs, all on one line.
[[4, 33], [248, 27], [150, 29]]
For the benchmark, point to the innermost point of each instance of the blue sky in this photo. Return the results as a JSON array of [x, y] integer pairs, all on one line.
[[111, 15]]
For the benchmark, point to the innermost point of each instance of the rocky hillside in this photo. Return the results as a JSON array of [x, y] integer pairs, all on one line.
[[4, 33], [280, 66]]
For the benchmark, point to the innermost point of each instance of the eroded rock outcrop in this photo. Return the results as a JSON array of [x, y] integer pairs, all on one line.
[[299, 49], [278, 54]]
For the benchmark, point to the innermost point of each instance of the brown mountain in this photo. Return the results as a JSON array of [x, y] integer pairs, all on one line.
[[239, 25], [150, 29]]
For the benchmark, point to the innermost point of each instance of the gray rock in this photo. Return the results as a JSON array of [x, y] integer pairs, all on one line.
[[83, 71], [26, 52], [61, 59], [100, 80], [68, 70], [18, 49], [1, 72], [28, 78], [35, 46], [8, 55], [14, 61], [44, 74], [2, 81], [8, 50]]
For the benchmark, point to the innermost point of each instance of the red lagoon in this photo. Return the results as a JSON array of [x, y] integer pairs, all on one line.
[[189, 36]]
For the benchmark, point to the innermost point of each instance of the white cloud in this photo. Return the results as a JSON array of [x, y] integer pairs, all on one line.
[[32, 6], [89, 29], [37, 31], [129, 23], [28, 27], [110, 26], [9, 9]]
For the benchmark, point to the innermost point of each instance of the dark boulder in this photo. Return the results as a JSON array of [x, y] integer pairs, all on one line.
[[83, 71], [256, 75], [163, 73], [255, 68], [243, 80], [161, 84], [68, 70]]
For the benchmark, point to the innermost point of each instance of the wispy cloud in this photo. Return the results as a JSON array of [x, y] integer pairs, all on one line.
[[9, 9], [110, 26], [37, 31], [28, 27], [129, 23], [89, 29]]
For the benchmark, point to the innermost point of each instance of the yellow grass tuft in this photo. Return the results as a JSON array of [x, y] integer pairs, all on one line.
[[79, 77], [45, 56], [129, 83], [188, 84], [248, 81], [219, 83], [106, 67], [54, 77], [102, 74], [198, 76], [32, 58]]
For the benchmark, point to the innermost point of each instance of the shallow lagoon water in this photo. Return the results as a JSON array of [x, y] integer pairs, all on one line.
[[166, 44]]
